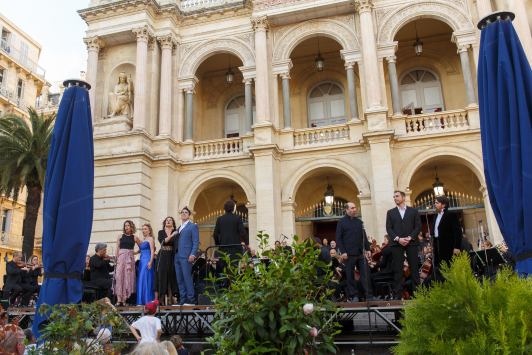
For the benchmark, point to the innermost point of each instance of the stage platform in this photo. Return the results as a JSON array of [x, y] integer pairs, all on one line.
[[194, 323]]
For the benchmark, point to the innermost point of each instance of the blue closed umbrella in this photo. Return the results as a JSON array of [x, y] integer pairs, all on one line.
[[68, 201], [505, 96]]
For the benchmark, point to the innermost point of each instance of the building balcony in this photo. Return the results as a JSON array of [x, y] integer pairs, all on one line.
[[198, 6], [21, 60], [10, 240], [8, 96], [219, 148]]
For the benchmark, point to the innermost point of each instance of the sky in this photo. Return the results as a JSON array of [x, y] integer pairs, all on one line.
[[57, 27]]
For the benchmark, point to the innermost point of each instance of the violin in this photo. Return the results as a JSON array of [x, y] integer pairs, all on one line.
[[22, 264]]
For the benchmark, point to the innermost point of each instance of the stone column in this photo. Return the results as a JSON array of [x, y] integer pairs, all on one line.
[[249, 104], [484, 8], [351, 86], [167, 44], [468, 78], [94, 44], [491, 221], [190, 115], [394, 85], [45, 94], [262, 87], [383, 179], [364, 8], [289, 220], [522, 26], [287, 118], [143, 35], [366, 209]]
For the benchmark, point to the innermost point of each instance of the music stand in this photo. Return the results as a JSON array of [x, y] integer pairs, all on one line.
[[489, 259]]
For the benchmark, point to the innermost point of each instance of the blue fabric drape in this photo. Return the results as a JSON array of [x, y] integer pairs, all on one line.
[[68, 201], [505, 96]]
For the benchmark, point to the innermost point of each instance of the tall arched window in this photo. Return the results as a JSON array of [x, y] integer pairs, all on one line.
[[235, 117], [326, 105], [421, 92]]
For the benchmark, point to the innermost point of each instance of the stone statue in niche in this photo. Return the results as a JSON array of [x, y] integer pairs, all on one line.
[[121, 100]]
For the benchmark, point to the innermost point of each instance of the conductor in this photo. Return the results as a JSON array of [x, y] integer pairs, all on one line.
[[228, 230]]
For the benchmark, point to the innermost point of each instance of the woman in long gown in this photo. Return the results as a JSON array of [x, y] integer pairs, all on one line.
[[125, 276], [146, 270], [166, 282]]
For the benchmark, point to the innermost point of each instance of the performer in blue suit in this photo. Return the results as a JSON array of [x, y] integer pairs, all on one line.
[[186, 247]]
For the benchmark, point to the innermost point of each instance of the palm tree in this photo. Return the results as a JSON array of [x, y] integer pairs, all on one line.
[[23, 157]]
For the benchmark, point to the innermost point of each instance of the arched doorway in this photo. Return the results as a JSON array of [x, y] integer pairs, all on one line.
[[326, 105], [235, 116], [421, 92]]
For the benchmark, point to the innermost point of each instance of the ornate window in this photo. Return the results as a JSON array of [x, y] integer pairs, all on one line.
[[235, 117], [326, 105], [421, 92]]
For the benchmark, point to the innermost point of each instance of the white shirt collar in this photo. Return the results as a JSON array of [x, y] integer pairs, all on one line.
[[402, 209]]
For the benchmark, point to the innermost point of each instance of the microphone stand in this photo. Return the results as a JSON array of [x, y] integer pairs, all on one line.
[[367, 283]]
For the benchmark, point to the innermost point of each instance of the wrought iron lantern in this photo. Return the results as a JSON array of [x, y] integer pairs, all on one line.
[[438, 185]]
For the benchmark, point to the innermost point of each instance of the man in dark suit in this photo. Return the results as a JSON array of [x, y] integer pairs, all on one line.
[[385, 265], [447, 232], [403, 226], [15, 280], [100, 267], [352, 241], [186, 248], [228, 230]]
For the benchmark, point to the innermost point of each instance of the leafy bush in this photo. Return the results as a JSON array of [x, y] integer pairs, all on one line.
[[466, 316], [262, 310], [73, 328]]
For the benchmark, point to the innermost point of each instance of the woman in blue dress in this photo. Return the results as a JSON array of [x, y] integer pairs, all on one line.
[[146, 276]]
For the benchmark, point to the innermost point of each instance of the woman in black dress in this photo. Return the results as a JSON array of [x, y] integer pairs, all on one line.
[[166, 281]]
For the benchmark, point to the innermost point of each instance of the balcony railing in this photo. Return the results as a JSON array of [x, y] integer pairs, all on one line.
[[457, 200], [220, 148], [197, 5], [12, 96], [10, 240], [319, 136], [436, 122], [21, 58]]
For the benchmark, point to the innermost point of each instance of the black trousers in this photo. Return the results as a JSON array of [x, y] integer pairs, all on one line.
[[18, 289], [105, 285], [361, 264], [412, 258]]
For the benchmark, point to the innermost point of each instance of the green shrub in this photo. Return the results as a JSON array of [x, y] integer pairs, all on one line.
[[262, 312], [73, 328], [466, 316]]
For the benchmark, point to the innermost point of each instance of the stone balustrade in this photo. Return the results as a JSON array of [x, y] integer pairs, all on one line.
[[219, 148], [199, 5], [436, 122], [319, 136], [11, 240]]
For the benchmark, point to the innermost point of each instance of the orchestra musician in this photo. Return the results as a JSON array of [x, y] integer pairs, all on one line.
[[385, 265], [447, 232], [339, 274], [15, 281], [100, 266], [403, 225], [228, 230], [34, 272]]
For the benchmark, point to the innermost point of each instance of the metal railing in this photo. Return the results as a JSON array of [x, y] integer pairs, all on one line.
[[10, 240], [457, 200], [437, 122], [321, 210], [12, 95], [209, 221], [318, 136], [21, 58], [219, 148]]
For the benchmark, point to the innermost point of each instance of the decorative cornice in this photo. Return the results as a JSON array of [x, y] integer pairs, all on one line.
[[363, 5], [462, 48], [260, 23], [285, 75], [349, 65], [94, 43], [143, 34], [391, 59]]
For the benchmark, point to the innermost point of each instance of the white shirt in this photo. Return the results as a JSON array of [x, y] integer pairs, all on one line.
[[438, 219], [148, 327], [402, 211], [183, 225]]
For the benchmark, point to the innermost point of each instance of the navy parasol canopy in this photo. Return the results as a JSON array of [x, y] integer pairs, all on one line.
[[68, 201], [505, 96]]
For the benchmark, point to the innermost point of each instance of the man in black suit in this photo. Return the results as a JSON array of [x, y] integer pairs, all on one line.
[[16, 282], [447, 232], [228, 230], [100, 266], [403, 226], [352, 241]]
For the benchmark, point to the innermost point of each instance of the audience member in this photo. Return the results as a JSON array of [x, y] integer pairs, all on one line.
[[168, 346], [195, 349], [31, 341], [178, 343], [13, 340], [149, 349], [149, 326]]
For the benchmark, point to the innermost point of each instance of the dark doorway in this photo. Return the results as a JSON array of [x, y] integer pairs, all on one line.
[[325, 229]]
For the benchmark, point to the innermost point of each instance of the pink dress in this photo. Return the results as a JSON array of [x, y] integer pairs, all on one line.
[[125, 273]]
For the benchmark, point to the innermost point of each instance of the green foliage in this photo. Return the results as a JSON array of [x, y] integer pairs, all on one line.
[[73, 328], [262, 312], [23, 151], [465, 316]]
